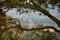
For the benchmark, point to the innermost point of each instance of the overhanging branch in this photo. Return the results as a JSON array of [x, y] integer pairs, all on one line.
[[45, 12]]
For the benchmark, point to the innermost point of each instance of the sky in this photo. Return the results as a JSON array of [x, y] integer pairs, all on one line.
[[34, 16]]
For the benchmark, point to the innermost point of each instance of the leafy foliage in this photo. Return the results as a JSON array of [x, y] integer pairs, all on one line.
[[16, 34], [11, 33]]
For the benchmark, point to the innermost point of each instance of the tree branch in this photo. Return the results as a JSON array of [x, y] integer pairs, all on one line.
[[46, 27], [18, 26], [25, 29], [32, 29], [6, 10], [45, 12]]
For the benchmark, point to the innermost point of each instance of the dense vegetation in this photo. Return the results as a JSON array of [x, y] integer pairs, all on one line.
[[9, 30]]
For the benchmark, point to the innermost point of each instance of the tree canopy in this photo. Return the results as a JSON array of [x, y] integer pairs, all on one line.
[[35, 5], [38, 5]]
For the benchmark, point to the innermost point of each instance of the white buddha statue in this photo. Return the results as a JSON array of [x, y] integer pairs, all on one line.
[[31, 24]]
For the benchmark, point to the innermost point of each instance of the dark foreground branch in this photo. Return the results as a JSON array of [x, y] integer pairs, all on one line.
[[25, 29], [56, 30], [44, 11], [46, 27]]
